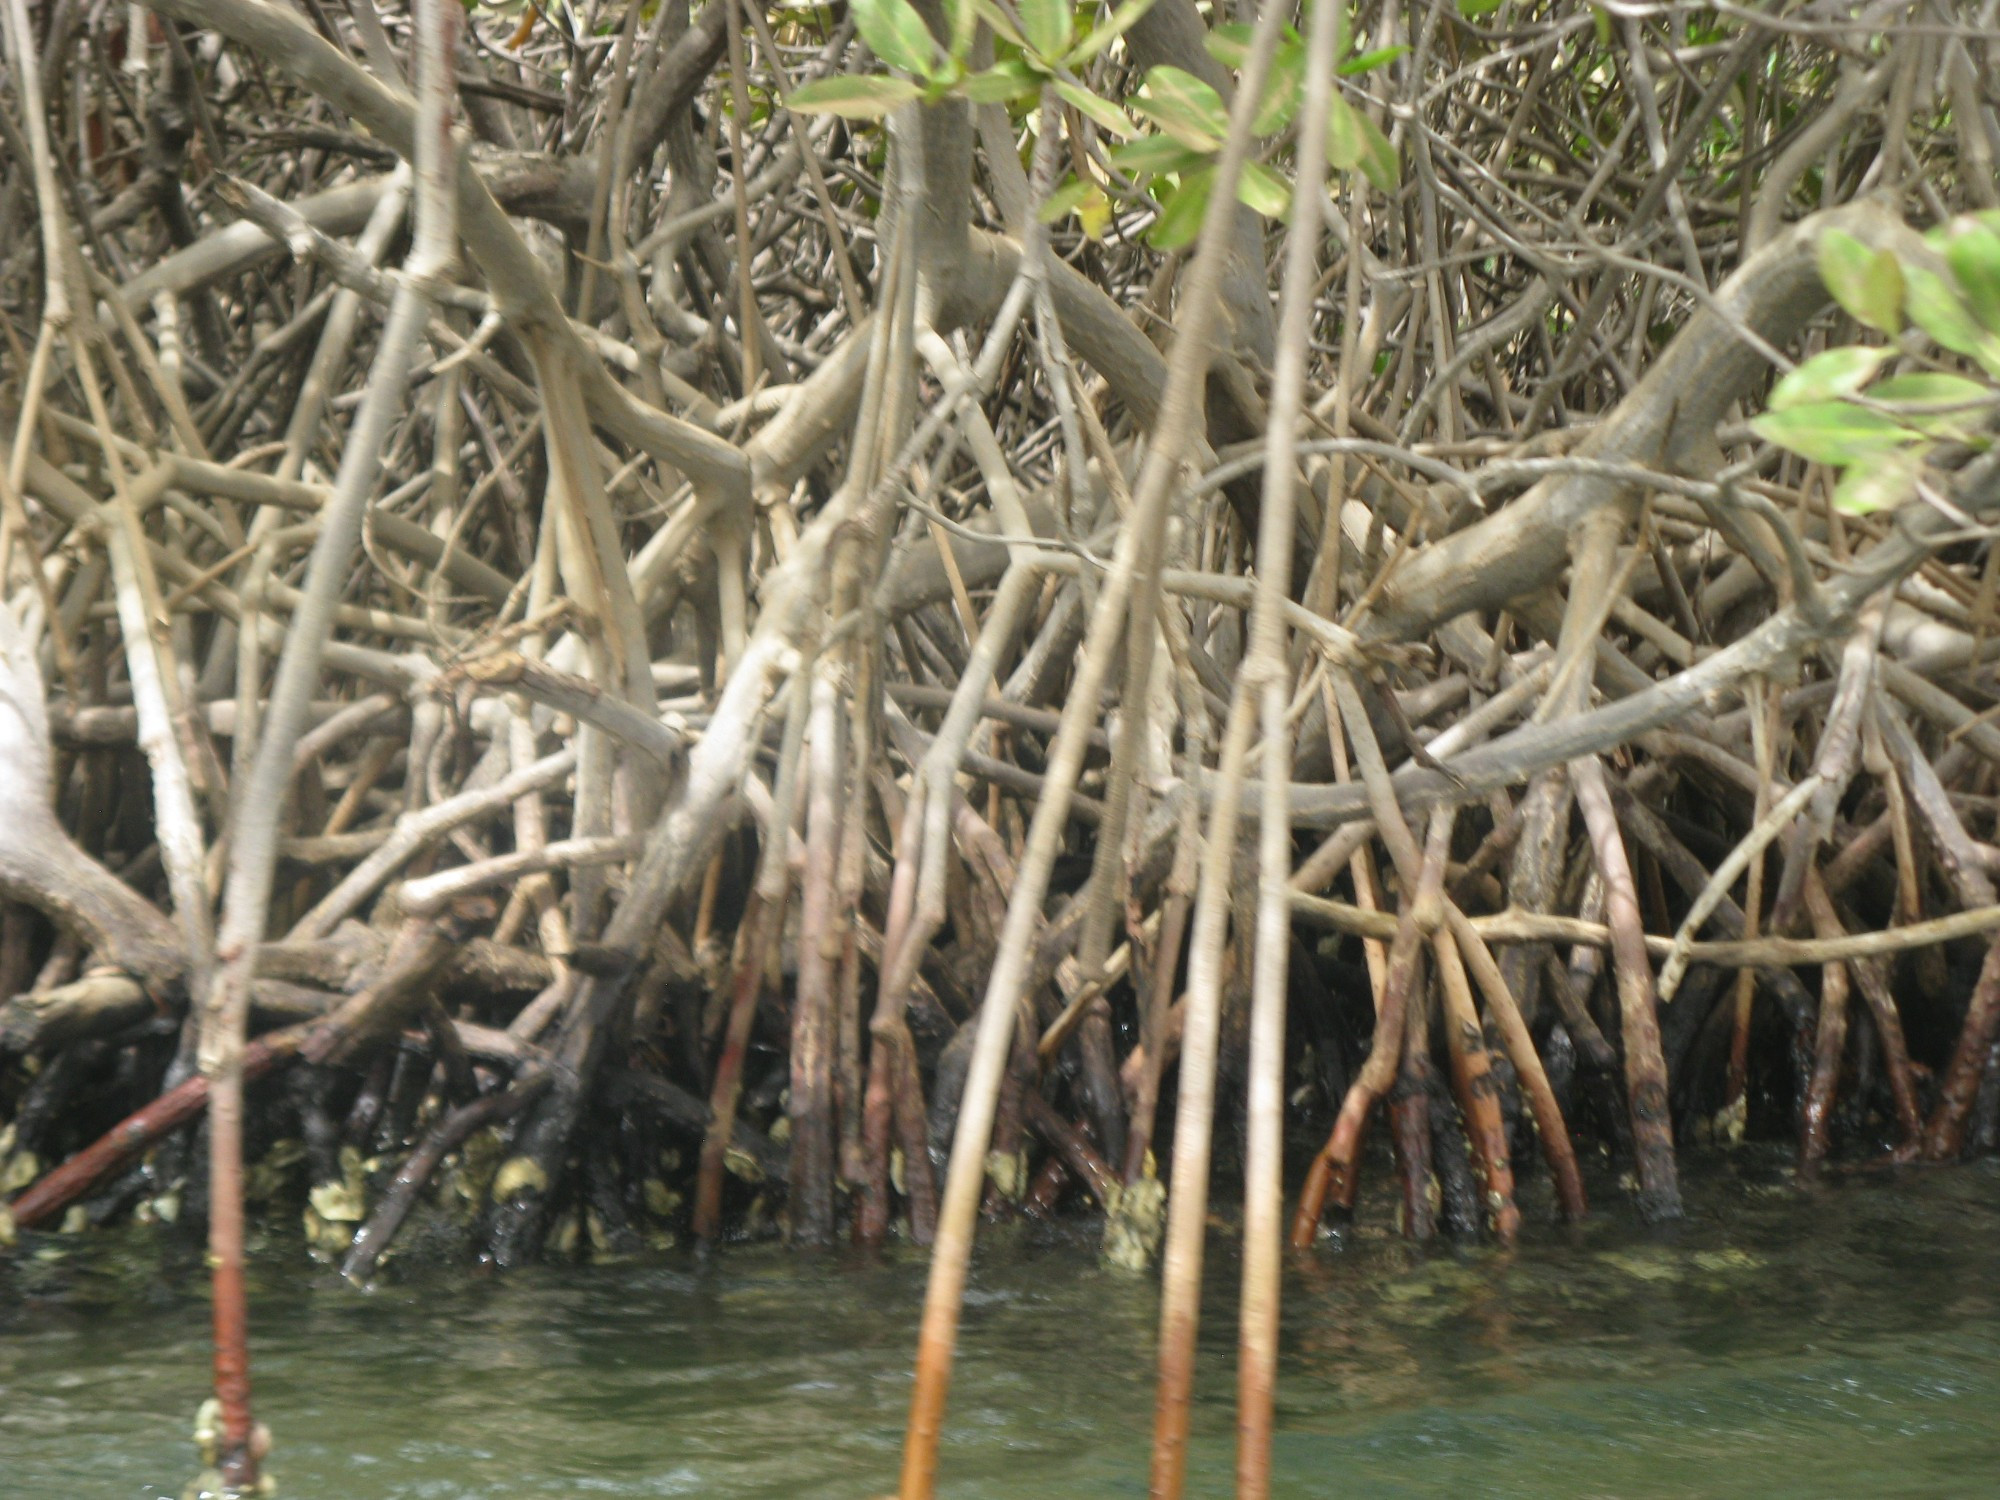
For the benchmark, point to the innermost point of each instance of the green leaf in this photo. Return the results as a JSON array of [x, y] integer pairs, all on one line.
[[1107, 115], [1345, 146], [1936, 404], [1065, 200], [1182, 213], [1001, 83], [1973, 252], [866, 96], [1837, 372], [1832, 432], [1868, 284], [961, 25], [1882, 482], [1353, 140], [1472, 9], [1121, 21], [1368, 62], [1183, 106], [1936, 308], [1380, 165], [1094, 213], [1284, 87], [1003, 26], [1229, 44], [896, 33], [1931, 389], [1264, 191], [1153, 154], [1046, 25]]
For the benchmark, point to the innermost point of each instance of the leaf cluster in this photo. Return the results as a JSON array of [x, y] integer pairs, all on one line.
[[1170, 131], [1881, 432]]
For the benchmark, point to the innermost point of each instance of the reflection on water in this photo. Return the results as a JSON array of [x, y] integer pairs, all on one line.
[[1777, 1344]]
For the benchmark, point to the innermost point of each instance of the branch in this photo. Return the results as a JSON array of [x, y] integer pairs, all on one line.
[[1668, 421], [720, 473]]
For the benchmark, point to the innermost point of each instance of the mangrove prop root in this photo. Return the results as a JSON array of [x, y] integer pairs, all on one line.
[[139, 1131], [372, 1239]]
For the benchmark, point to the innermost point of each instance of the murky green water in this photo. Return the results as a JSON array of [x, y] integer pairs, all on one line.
[[1843, 1343]]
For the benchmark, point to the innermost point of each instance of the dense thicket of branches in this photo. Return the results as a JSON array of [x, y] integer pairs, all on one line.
[[681, 664]]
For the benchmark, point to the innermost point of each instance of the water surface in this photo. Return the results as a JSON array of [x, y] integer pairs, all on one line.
[[1780, 1343]]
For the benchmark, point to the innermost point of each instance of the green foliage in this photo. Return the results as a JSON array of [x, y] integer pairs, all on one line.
[[1355, 141], [1181, 215], [962, 22], [1154, 154], [1001, 83], [1935, 306], [896, 34], [1100, 112], [1264, 191], [1972, 250], [1935, 403], [1043, 55], [1045, 24], [1828, 376], [1868, 284], [1833, 432], [1368, 62], [1882, 482], [864, 97], [1184, 107], [1171, 154], [1880, 433], [1122, 19], [1191, 115]]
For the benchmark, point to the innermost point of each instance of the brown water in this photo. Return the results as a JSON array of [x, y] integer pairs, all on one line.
[[1842, 1342]]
